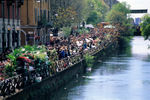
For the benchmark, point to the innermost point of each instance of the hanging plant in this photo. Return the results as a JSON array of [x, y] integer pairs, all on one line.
[[89, 60]]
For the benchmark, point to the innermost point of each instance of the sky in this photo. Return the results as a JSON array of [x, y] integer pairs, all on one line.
[[138, 4]]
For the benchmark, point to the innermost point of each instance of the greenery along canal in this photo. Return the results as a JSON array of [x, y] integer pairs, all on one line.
[[124, 76]]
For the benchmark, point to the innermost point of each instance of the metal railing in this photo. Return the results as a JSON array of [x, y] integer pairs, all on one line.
[[15, 84]]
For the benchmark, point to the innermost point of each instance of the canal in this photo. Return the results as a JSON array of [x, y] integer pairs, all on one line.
[[123, 76]]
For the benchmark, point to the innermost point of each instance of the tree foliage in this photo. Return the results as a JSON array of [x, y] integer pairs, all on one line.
[[94, 18], [92, 11], [68, 12], [145, 26], [89, 60], [146, 31], [74, 12], [118, 16], [66, 31], [65, 17], [97, 10]]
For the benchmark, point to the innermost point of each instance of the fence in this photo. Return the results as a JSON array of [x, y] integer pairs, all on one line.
[[15, 84]]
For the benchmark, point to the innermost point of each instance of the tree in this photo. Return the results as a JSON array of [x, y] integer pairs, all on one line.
[[66, 31], [97, 10], [64, 13], [81, 8], [67, 12], [146, 32], [118, 16], [93, 18], [145, 26], [115, 17], [65, 17], [119, 13]]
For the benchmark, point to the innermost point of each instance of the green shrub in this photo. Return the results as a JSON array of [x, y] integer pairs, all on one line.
[[83, 31], [41, 56], [89, 60], [66, 31], [9, 70]]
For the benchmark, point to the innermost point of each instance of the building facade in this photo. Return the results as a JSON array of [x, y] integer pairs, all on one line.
[[137, 21], [37, 18], [35, 14], [9, 24]]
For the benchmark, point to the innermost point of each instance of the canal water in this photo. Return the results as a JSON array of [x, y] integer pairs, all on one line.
[[124, 76]]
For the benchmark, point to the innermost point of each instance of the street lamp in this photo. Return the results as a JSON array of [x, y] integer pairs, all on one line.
[[8, 27]]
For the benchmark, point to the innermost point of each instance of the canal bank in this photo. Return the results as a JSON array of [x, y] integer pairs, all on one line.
[[51, 84], [123, 76]]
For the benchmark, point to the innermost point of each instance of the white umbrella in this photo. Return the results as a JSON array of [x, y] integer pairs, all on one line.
[[89, 26]]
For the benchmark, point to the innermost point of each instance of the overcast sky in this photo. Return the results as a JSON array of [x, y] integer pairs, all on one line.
[[138, 4]]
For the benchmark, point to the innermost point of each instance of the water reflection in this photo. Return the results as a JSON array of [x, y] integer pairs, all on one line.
[[122, 77], [140, 47]]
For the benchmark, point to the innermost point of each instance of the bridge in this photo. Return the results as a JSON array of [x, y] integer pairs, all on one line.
[[136, 11]]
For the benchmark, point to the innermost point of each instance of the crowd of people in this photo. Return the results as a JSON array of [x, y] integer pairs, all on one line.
[[62, 52], [73, 45], [61, 49]]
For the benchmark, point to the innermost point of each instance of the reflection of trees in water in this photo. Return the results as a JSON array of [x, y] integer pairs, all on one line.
[[113, 65], [126, 51], [113, 68], [125, 46], [147, 58]]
